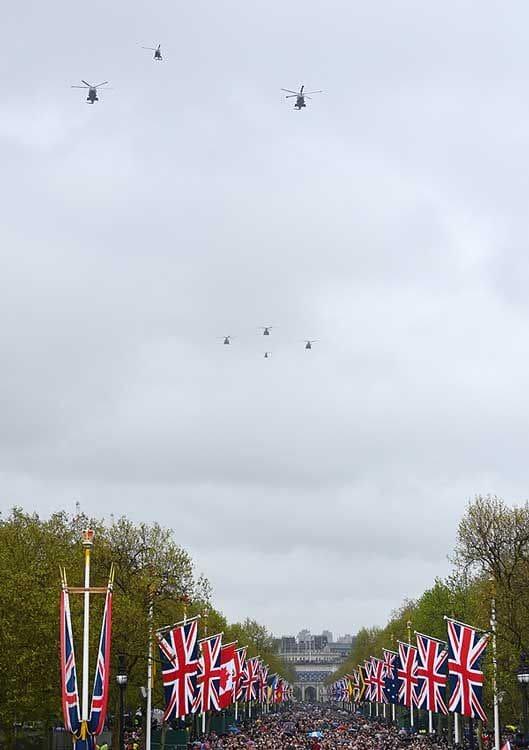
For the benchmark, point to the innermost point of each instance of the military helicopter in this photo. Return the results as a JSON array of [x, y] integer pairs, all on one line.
[[267, 355], [266, 330], [309, 343], [92, 90], [157, 51], [300, 96], [226, 340]]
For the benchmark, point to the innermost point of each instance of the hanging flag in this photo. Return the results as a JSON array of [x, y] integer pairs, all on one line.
[[70, 695], [368, 679], [240, 668], [179, 657], [270, 688], [98, 708], [249, 680], [466, 649], [377, 680], [407, 674], [391, 680], [209, 675], [227, 679], [431, 674], [278, 698], [362, 684], [262, 674]]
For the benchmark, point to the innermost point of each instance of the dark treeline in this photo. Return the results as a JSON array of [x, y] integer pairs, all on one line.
[[149, 564], [491, 559]]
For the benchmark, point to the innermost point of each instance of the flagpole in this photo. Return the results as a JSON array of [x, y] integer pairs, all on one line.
[[495, 668], [149, 677], [88, 542], [412, 723], [430, 722]]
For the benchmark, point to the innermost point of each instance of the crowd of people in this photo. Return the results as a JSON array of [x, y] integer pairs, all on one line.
[[312, 727]]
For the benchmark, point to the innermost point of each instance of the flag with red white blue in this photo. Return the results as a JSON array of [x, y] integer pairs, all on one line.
[[179, 657], [70, 695], [431, 674], [407, 674], [466, 649], [98, 707], [209, 675]]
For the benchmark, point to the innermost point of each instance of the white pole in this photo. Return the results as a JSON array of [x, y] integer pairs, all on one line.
[[236, 711], [392, 712], [149, 679], [249, 709], [412, 722], [88, 537], [457, 729], [495, 675], [384, 710], [203, 722], [430, 722]]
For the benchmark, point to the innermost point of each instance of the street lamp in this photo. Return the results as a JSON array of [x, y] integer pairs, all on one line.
[[121, 679], [523, 679]]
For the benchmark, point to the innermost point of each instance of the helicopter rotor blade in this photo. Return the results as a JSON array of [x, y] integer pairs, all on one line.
[[314, 92], [301, 89], [289, 91], [292, 96], [100, 84], [77, 87], [153, 49], [87, 84]]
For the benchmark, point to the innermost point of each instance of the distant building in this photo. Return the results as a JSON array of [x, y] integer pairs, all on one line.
[[345, 638], [328, 635], [288, 643]]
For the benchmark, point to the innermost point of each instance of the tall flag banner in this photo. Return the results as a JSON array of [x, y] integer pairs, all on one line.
[[179, 657], [70, 693], [391, 680], [249, 680], [240, 669], [262, 674], [407, 674], [355, 685], [209, 675], [98, 708], [278, 692], [368, 679], [377, 680], [270, 688], [431, 674], [227, 678], [350, 687], [362, 684], [466, 648]]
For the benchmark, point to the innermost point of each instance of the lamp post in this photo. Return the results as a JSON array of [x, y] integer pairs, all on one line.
[[121, 680], [523, 679]]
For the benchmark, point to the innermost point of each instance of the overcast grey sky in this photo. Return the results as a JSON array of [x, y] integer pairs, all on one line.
[[388, 220]]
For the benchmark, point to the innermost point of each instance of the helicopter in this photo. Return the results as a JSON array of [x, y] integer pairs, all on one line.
[[309, 343], [266, 330], [226, 340], [157, 52], [92, 90], [300, 96], [267, 355]]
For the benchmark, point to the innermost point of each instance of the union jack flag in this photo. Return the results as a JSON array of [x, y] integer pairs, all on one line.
[[70, 696], [240, 668], [377, 680], [391, 681], [368, 679], [249, 680], [407, 674], [179, 656], [465, 652], [262, 675], [98, 708], [431, 673], [209, 675]]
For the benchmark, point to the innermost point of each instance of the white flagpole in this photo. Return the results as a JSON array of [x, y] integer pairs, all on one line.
[[149, 679], [88, 541], [392, 712], [457, 729], [430, 722], [495, 670]]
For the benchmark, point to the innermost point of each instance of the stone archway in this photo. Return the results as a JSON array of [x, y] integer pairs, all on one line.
[[310, 694]]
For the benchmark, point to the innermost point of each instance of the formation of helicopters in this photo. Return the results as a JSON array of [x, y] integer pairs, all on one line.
[[300, 95], [226, 340]]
